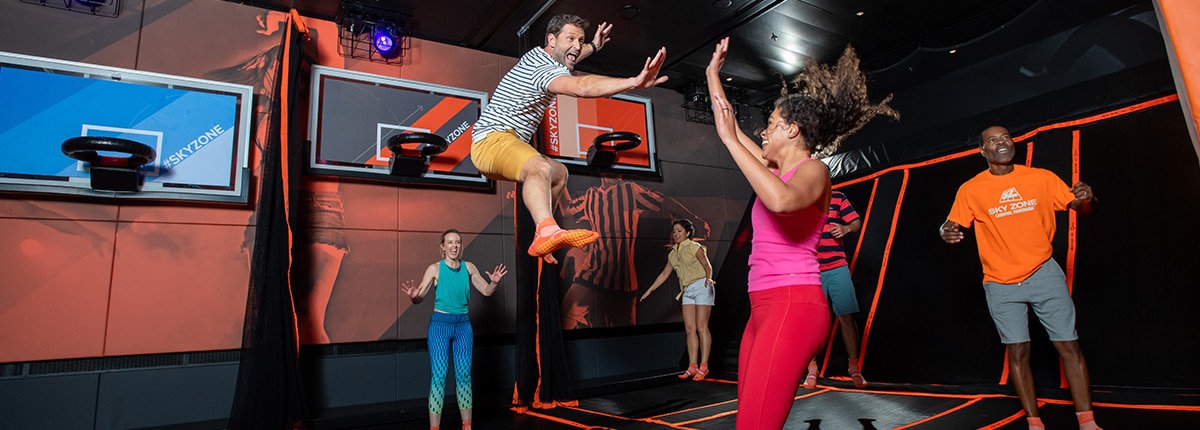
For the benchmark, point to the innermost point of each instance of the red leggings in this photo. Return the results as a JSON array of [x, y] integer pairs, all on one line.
[[787, 327]]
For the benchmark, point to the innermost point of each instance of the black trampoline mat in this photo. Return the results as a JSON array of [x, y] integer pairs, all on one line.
[[713, 405]]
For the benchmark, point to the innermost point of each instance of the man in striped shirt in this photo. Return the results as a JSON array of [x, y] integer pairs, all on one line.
[[501, 137], [835, 279]]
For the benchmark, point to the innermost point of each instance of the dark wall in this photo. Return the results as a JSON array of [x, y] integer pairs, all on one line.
[[929, 322], [1106, 84]]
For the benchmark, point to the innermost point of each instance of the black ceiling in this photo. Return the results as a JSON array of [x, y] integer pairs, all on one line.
[[900, 42]]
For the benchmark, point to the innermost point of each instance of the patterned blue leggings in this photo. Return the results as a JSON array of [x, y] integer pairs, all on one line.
[[449, 332]]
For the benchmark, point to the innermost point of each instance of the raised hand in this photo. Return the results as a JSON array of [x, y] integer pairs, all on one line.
[[410, 288], [718, 59], [497, 273], [649, 75], [601, 36]]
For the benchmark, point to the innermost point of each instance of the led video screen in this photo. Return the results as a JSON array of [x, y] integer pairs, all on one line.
[[571, 124], [199, 129], [353, 114]]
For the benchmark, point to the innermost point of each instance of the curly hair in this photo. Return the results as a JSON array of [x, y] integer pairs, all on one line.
[[830, 103]]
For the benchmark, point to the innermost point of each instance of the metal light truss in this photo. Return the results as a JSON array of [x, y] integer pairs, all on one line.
[[358, 22], [108, 8]]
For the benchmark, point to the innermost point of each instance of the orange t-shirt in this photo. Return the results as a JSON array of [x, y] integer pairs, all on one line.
[[1015, 217]]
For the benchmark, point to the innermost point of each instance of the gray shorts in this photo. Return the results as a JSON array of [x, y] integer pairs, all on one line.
[[1046, 291], [697, 293], [840, 290]]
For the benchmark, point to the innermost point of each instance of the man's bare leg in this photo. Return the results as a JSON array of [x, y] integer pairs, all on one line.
[[542, 181], [1022, 379], [1080, 384], [849, 329], [537, 183]]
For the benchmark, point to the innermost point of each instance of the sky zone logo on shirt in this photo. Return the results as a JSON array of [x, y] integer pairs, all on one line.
[[1012, 203], [1010, 195]]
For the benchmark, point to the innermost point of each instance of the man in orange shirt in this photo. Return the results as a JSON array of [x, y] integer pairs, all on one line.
[[1013, 208]]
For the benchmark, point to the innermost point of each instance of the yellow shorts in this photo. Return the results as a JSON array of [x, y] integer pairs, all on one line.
[[501, 155]]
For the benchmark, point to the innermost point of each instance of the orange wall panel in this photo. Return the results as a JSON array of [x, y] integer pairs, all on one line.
[[53, 288], [177, 287]]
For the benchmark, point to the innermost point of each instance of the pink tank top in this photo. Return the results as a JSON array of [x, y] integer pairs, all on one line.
[[783, 251]]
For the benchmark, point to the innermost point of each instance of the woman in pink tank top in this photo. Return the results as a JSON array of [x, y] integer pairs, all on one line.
[[789, 314]]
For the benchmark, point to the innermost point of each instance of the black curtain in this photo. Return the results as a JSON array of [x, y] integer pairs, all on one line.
[[270, 392], [543, 379]]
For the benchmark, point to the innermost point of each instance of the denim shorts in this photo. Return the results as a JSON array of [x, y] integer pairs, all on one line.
[[699, 293]]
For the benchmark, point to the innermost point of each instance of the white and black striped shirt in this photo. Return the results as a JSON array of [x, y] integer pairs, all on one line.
[[522, 96]]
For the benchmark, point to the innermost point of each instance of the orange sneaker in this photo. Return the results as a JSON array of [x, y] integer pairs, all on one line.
[[543, 245], [701, 373]]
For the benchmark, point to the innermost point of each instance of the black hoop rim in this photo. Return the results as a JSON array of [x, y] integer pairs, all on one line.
[[617, 141], [434, 144], [84, 148]]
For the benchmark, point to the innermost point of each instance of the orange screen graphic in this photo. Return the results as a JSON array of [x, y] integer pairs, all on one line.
[[571, 124]]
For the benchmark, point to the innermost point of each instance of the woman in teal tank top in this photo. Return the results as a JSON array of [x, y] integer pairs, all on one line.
[[450, 328]]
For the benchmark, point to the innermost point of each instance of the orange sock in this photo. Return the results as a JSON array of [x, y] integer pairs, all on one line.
[[1035, 423], [702, 372], [547, 227], [550, 238], [692, 370], [810, 380], [466, 424], [1086, 421], [856, 374]]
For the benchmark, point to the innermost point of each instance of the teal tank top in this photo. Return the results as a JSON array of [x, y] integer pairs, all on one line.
[[453, 288]]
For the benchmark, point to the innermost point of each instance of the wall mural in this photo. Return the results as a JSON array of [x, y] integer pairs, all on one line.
[[604, 279]]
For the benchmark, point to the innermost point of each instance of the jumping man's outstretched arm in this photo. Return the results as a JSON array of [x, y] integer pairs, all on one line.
[[592, 86]]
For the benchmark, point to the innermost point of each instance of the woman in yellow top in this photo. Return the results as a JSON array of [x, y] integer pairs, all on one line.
[[696, 288]]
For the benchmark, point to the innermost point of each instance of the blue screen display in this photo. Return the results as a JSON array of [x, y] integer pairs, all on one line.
[[194, 133]]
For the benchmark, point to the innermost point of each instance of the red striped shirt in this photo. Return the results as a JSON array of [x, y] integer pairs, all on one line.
[[830, 253]]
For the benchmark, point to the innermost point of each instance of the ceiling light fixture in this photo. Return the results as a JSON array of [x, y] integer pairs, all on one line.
[[722, 4], [859, 13], [370, 33], [774, 37], [386, 41], [630, 11], [953, 51]]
